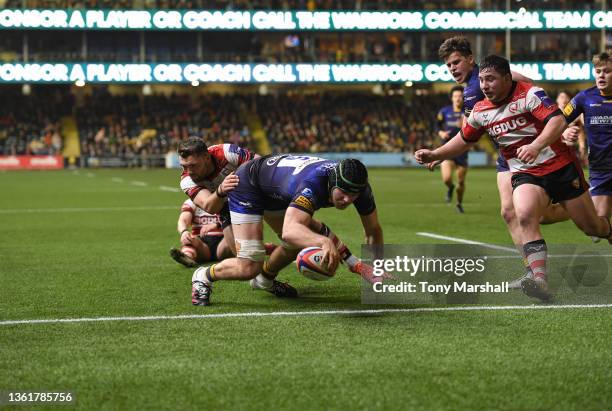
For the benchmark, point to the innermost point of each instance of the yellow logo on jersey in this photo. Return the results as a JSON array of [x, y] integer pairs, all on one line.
[[304, 203]]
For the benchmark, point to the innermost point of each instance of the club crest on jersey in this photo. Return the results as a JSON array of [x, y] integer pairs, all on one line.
[[507, 126], [568, 109]]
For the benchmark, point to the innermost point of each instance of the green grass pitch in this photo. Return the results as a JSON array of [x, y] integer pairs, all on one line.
[[94, 243]]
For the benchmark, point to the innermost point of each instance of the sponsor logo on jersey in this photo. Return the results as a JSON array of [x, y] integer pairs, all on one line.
[[304, 203], [506, 126], [594, 120], [307, 192], [272, 160]]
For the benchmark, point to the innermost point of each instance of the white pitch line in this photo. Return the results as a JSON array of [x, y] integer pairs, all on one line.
[[84, 209], [117, 179], [466, 241], [139, 183], [306, 313], [171, 189], [500, 247]]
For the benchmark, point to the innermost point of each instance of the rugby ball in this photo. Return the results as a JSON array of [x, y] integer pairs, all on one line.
[[309, 264]]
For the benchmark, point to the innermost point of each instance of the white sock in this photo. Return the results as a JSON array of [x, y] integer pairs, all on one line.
[[263, 281], [200, 275]]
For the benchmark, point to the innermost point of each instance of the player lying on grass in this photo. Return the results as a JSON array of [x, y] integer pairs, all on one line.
[[285, 191], [527, 126], [456, 52], [201, 237]]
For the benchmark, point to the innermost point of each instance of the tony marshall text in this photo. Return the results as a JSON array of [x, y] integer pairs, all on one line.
[[425, 287]]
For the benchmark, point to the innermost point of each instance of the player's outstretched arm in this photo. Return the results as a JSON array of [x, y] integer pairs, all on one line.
[[551, 133], [457, 145], [297, 233]]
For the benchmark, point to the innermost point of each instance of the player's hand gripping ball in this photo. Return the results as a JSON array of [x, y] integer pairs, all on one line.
[[309, 264]]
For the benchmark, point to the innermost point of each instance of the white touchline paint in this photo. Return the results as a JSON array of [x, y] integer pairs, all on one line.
[[500, 247], [466, 241], [306, 313], [85, 209], [117, 179], [171, 189], [139, 183]]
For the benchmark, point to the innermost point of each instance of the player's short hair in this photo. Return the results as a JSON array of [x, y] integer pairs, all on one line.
[[348, 175], [603, 58], [455, 44], [455, 88], [191, 146], [497, 63]]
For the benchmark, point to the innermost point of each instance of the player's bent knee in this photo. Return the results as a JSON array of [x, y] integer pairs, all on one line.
[[508, 215], [525, 219], [249, 269]]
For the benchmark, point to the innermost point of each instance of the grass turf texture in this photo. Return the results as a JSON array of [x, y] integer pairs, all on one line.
[[72, 263]]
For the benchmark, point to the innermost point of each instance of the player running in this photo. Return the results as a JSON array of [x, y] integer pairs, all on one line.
[[449, 123], [527, 125], [456, 52], [595, 104], [286, 191]]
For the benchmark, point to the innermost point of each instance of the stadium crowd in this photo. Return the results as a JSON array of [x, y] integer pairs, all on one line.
[[132, 124], [127, 125], [30, 124], [347, 122], [116, 126]]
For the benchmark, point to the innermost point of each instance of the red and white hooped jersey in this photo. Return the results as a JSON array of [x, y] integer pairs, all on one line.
[[227, 158], [518, 121], [201, 218]]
